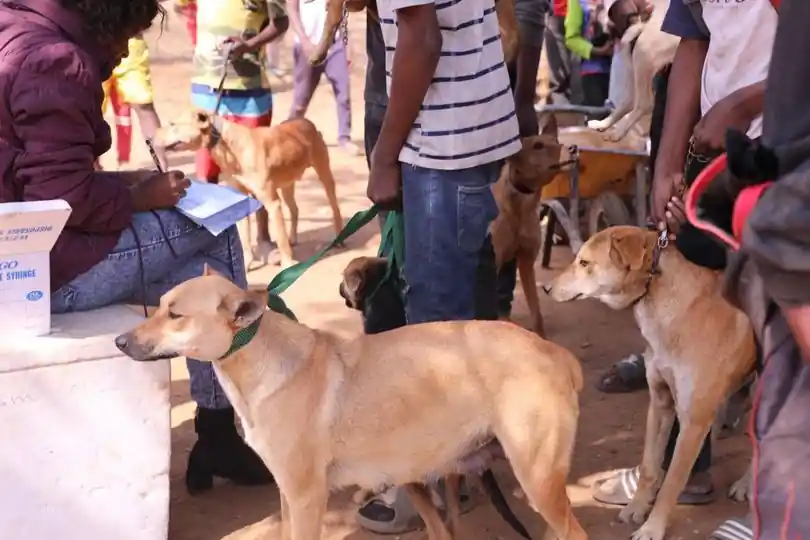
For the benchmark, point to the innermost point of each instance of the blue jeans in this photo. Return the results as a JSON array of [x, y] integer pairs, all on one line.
[[171, 249], [449, 264]]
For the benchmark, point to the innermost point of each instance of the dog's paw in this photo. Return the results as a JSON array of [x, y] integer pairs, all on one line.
[[633, 514], [740, 490], [361, 496], [288, 263], [648, 532], [613, 135], [598, 125]]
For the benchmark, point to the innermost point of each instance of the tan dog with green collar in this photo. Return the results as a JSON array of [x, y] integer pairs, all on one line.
[[386, 409]]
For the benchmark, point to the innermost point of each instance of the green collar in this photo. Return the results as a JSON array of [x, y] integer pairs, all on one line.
[[392, 242]]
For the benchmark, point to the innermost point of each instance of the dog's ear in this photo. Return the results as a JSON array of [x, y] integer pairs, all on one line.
[[351, 289], [208, 271], [245, 307], [628, 251], [550, 127]]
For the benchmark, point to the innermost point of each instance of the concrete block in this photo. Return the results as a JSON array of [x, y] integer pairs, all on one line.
[[85, 434]]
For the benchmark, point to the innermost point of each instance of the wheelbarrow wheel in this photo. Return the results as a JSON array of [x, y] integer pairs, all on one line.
[[607, 210]]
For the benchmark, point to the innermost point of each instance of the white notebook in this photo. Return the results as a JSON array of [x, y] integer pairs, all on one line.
[[216, 207]]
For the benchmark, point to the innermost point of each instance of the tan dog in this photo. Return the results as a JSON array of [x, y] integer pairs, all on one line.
[[702, 350], [265, 162], [386, 409], [653, 50], [516, 230], [505, 10]]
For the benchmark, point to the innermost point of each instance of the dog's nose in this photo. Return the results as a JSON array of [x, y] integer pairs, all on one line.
[[546, 289], [122, 342]]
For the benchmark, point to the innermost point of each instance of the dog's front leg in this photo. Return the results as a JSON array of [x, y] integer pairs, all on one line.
[[529, 282], [272, 203], [740, 490], [660, 418], [285, 517], [288, 196], [307, 508], [690, 440]]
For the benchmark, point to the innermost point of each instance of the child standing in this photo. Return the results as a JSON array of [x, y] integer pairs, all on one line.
[[586, 38]]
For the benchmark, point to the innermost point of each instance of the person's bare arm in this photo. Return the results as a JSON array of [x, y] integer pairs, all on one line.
[[419, 45], [277, 25], [294, 14], [530, 15], [681, 116]]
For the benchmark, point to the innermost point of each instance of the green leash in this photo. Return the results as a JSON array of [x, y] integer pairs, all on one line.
[[392, 243]]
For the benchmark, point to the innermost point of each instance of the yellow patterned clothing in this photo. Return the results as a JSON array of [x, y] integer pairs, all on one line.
[[218, 20], [133, 81]]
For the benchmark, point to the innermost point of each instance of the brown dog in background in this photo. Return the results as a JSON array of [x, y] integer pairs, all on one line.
[[263, 161], [516, 230], [393, 408], [505, 10]]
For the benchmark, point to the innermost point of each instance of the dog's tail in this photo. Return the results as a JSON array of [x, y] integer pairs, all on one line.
[[497, 499], [632, 33]]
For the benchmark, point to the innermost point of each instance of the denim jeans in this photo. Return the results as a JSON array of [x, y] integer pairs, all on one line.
[[449, 263], [159, 251]]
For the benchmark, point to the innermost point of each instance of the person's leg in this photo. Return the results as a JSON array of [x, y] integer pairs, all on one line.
[[203, 97], [123, 121], [507, 273], [450, 275], [559, 61], [190, 12], [305, 80], [159, 251], [336, 68]]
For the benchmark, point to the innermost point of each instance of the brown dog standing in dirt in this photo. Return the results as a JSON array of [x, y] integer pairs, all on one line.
[[516, 230], [702, 351], [393, 408], [504, 9], [263, 161]]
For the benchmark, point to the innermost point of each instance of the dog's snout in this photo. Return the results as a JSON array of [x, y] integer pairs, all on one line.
[[122, 342], [546, 289]]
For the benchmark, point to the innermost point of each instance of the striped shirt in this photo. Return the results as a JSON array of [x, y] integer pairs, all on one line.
[[468, 114]]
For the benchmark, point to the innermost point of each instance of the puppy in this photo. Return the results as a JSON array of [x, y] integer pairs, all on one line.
[[265, 162], [702, 351], [516, 231], [393, 408], [645, 50], [364, 277], [505, 10]]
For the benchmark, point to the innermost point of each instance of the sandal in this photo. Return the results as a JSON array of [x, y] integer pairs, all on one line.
[[626, 375], [620, 489], [734, 529], [393, 512]]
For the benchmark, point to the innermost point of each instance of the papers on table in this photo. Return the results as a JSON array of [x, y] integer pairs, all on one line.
[[216, 207]]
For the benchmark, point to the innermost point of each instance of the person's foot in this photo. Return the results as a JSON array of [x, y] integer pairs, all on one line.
[[393, 512], [220, 451], [349, 148], [620, 489], [734, 529], [626, 375]]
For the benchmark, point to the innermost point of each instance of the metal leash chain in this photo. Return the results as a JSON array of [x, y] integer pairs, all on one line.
[[344, 26], [663, 238]]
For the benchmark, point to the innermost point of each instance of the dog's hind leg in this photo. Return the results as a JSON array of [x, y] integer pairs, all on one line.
[[740, 490], [288, 196], [452, 498], [272, 203], [626, 105], [690, 440], [540, 455], [285, 518], [320, 162], [420, 496], [643, 98], [529, 283]]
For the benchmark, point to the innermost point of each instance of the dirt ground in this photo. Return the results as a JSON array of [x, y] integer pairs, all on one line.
[[611, 430]]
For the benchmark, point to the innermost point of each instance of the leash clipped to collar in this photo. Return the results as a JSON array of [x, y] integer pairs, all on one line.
[[392, 241]]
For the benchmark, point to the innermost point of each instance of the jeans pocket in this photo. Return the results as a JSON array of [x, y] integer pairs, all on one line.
[[476, 209]]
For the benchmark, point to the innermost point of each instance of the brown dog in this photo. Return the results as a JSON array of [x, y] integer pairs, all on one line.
[[702, 349], [505, 10], [516, 230], [387, 409], [265, 162]]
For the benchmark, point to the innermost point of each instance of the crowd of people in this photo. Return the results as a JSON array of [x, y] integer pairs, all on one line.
[[437, 128]]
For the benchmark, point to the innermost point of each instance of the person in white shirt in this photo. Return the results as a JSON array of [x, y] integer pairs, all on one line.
[[307, 19]]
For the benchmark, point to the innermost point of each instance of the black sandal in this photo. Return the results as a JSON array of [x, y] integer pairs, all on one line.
[[625, 376]]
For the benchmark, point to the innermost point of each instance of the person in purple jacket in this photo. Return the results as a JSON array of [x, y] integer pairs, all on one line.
[[123, 240]]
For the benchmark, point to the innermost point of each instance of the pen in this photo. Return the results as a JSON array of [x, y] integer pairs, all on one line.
[[154, 155]]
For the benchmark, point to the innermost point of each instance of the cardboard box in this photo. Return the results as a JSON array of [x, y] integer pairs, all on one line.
[[28, 231]]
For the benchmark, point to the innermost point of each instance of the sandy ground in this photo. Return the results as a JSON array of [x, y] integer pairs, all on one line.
[[611, 430]]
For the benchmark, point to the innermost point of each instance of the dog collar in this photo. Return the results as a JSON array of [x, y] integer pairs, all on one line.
[[660, 246], [216, 132], [243, 337]]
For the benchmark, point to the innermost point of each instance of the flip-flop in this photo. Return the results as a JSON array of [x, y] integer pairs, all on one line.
[[619, 490], [393, 512], [734, 529], [626, 375]]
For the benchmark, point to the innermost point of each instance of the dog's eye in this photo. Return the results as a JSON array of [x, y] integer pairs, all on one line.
[[584, 264], [174, 316]]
